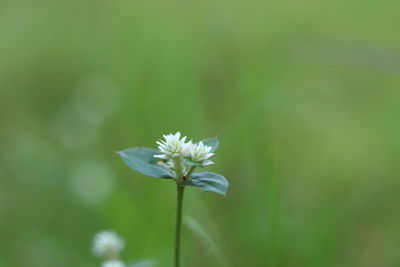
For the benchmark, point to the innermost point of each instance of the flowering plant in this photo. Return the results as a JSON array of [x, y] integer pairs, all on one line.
[[177, 160]]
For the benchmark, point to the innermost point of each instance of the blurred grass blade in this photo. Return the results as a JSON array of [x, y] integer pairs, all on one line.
[[209, 243]]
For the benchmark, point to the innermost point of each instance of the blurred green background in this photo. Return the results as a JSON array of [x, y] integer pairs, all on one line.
[[304, 96]]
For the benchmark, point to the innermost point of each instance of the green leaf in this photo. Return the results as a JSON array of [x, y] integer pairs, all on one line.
[[212, 142], [143, 263], [190, 162], [143, 161], [208, 182]]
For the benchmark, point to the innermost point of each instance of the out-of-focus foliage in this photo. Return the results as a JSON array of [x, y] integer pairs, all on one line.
[[304, 96]]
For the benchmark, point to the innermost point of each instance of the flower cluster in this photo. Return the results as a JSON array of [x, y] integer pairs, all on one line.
[[199, 153], [173, 146], [108, 245], [174, 149]]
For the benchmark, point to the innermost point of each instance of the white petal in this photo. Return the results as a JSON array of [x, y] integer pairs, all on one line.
[[160, 156], [207, 162]]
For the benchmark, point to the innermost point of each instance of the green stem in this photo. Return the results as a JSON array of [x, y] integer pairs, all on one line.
[[190, 172], [178, 169], [180, 190]]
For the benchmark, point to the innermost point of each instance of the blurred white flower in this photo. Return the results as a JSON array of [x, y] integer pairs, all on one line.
[[199, 153], [113, 264], [172, 147], [107, 244]]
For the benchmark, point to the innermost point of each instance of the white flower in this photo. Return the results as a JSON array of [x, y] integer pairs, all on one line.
[[188, 148], [172, 147], [113, 264], [107, 244], [199, 153]]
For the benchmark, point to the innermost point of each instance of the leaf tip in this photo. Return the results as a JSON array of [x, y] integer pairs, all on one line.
[[120, 153]]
